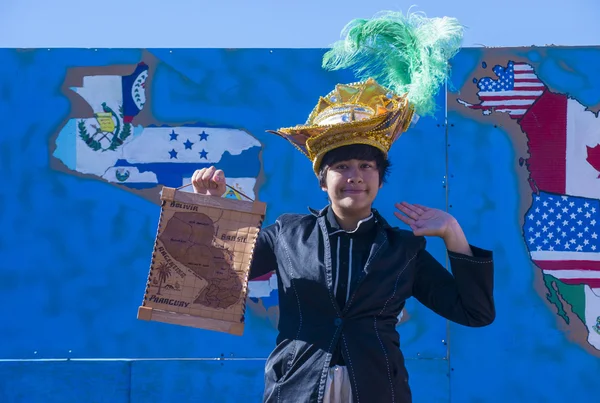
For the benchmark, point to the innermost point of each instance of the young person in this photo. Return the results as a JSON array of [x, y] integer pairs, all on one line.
[[344, 273]]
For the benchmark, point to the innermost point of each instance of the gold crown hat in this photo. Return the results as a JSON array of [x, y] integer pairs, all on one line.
[[401, 61], [357, 113]]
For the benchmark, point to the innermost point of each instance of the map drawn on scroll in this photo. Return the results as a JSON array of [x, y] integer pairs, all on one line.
[[203, 248]]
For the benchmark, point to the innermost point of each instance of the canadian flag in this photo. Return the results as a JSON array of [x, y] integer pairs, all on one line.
[[563, 138]]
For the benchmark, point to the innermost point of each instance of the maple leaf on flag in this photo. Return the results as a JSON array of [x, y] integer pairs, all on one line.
[[593, 157]]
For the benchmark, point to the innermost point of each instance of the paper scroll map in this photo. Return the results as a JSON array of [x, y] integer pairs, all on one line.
[[201, 259]]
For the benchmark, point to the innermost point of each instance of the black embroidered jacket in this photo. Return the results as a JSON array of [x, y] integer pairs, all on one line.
[[314, 326]]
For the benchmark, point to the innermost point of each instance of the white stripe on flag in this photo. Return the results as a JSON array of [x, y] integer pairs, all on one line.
[[526, 76], [530, 84], [523, 67], [510, 93], [572, 274], [513, 111], [550, 255]]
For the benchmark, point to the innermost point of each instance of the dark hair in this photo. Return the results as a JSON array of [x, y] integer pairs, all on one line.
[[361, 152]]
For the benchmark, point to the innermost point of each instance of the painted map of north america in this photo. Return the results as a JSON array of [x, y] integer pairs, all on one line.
[[562, 223]]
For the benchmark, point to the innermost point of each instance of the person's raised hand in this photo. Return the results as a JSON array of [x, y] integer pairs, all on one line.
[[209, 181], [425, 221]]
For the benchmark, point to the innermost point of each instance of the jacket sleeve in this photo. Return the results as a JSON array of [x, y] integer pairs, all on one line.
[[466, 296], [263, 259]]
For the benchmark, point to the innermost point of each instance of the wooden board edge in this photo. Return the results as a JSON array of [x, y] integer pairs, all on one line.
[[173, 318], [167, 193], [173, 195], [144, 313], [260, 208]]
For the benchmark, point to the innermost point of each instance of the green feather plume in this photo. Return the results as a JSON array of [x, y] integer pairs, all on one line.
[[406, 53]]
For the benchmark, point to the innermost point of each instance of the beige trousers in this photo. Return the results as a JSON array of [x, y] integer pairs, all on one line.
[[338, 388]]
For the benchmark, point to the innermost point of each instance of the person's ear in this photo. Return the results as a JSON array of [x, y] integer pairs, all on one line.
[[323, 180]]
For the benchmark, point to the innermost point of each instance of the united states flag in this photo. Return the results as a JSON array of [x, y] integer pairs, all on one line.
[[515, 90], [562, 236]]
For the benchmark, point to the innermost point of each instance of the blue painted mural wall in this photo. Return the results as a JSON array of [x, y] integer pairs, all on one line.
[[515, 132]]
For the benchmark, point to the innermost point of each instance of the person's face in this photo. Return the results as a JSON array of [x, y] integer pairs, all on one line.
[[352, 185]]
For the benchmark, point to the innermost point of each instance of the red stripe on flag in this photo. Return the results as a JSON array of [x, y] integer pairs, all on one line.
[[568, 265], [506, 107], [545, 125], [264, 277], [584, 265], [532, 88], [529, 84]]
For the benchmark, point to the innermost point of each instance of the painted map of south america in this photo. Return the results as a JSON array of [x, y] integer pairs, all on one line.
[[562, 223]]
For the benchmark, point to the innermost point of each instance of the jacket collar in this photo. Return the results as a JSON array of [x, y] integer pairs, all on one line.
[[364, 226], [378, 217], [318, 213]]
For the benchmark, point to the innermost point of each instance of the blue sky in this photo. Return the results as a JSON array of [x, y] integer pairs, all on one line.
[[279, 24]]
